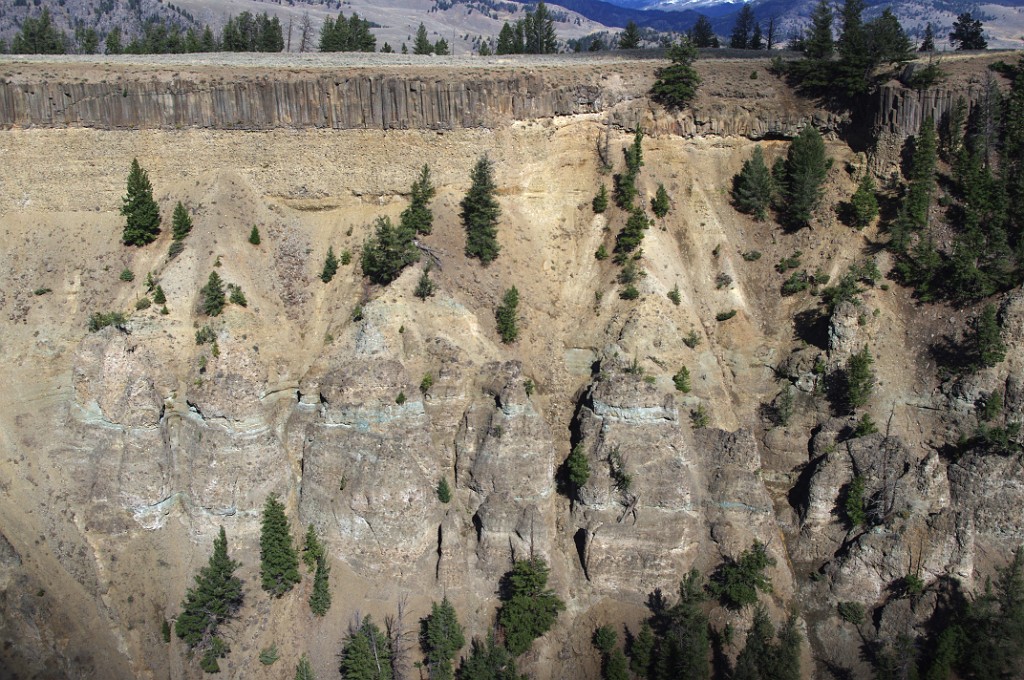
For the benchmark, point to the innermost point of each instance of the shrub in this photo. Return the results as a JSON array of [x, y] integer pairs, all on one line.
[[127, 275], [100, 320], [254, 236], [388, 252], [682, 380], [851, 612], [204, 335], [674, 295], [787, 263], [736, 582], [723, 280], [400, 399], [444, 491], [725, 316], [660, 204], [859, 379], [143, 303], [269, 655], [630, 292], [752, 255], [346, 257], [312, 549], [601, 253], [796, 283], [577, 468], [528, 387], [165, 630], [425, 286], [177, 247], [699, 417], [991, 407], [426, 383], [238, 297], [357, 313], [865, 426], [692, 339], [159, 297], [42, 291], [506, 316]]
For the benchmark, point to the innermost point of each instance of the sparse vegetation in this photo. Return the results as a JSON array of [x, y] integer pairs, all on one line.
[[675, 296], [725, 316], [127, 275], [699, 417], [100, 320]]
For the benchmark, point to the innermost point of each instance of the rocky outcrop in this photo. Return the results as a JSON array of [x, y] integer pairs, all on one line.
[[344, 101]]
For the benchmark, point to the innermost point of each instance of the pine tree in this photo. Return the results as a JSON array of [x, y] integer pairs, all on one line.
[[480, 212], [507, 316], [764, 658], [985, 339], [743, 28], [928, 40], [677, 83], [441, 637], [641, 652], [418, 217], [529, 608], [685, 646], [320, 598], [159, 297], [488, 661], [366, 654], [577, 468], [141, 212], [422, 44], [304, 670], [967, 33], [805, 171], [330, 266], [388, 252], [215, 598], [753, 187], [922, 175], [254, 236], [702, 35], [819, 44], [863, 204], [443, 490], [632, 234], [425, 286], [39, 36], [312, 549], [859, 379], [600, 202], [181, 222], [629, 39], [213, 295], [279, 564], [660, 203]]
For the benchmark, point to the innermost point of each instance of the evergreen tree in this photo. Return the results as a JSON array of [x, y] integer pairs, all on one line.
[[625, 183], [213, 295], [632, 234], [757, 38], [743, 28], [425, 286], [422, 44], [418, 217], [159, 297], [39, 36], [141, 212], [279, 564], [320, 598], [507, 316], [441, 47], [366, 654], [312, 549], [480, 212], [506, 40], [928, 40], [215, 598], [677, 83], [488, 661], [685, 646], [967, 33], [985, 341], [853, 70], [887, 41], [529, 608], [330, 266], [441, 637], [764, 658], [304, 670], [254, 236], [818, 44], [444, 491], [539, 30], [629, 39], [922, 175], [181, 222], [600, 202], [660, 203], [805, 170], [859, 379], [113, 41], [388, 252], [577, 468], [702, 35], [641, 652], [863, 204], [753, 187]]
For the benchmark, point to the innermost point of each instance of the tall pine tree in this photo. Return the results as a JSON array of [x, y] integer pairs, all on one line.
[[366, 654], [441, 637], [805, 171], [480, 213], [279, 563], [142, 215], [215, 598], [753, 187], [418, 217], [320, 598]]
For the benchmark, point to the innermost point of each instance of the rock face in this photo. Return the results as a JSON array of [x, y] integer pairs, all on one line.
[[342, 102]]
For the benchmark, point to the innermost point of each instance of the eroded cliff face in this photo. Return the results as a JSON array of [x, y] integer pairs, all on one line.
[[125, 450]]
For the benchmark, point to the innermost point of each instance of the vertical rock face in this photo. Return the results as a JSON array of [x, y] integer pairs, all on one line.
[[342, 102]]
